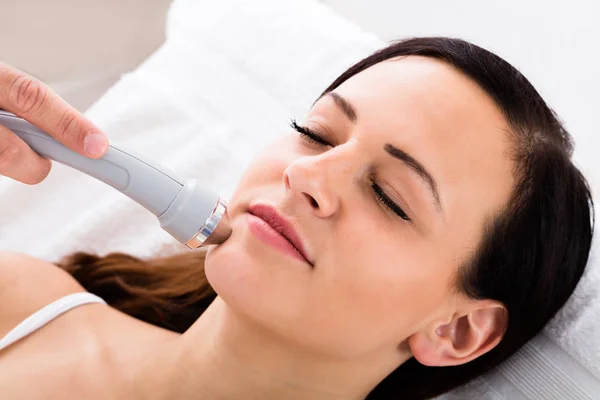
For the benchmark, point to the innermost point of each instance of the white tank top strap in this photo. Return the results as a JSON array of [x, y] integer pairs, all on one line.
[[46, 314]]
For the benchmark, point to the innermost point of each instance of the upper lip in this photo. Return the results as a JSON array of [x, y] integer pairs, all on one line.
[[280, 224]]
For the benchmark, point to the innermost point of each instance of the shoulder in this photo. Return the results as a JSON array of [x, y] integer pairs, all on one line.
[[27, 284]]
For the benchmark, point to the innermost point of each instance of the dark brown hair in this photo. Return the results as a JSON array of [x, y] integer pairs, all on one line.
[[530, 258]]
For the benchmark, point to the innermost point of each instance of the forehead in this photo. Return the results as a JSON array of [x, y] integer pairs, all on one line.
[[444, 119], [424, 93]]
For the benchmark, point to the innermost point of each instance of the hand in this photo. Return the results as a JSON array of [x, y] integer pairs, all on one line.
[[34, 101]]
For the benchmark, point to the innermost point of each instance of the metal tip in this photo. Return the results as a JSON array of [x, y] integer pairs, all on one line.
[[221, 232], [216, 229]]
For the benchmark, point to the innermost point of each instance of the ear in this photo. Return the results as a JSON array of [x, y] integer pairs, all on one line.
[[463, 337]]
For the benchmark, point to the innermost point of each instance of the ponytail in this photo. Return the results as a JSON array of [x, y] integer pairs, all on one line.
[[170, 292]]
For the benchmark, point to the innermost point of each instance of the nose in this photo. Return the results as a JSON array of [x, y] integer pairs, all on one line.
[[319, 180]]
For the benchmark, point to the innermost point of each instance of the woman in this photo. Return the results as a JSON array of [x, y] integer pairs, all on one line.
[[436, 221]]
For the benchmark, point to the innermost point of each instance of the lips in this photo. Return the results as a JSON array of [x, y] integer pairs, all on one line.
[[281, 225]]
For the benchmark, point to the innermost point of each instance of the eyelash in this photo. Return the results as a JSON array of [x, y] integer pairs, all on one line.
[[315, 139]]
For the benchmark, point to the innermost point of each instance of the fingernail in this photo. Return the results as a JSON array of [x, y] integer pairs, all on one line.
[[95, 144]]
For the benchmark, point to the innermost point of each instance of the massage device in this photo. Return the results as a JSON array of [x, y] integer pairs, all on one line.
[[191, 213]]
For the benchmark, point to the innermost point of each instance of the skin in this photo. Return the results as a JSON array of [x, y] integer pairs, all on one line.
[[381, 288]]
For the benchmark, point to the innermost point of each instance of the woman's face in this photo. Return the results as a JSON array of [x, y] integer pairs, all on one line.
[[413, 129]]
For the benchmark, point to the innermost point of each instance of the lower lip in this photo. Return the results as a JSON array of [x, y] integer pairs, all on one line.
[[270, 236]]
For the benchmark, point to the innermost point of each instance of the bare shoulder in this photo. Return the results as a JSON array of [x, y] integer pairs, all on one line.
[[27, 284], [97, 346]]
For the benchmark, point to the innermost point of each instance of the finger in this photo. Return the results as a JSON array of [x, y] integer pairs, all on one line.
[[18, 161], [34, 101]]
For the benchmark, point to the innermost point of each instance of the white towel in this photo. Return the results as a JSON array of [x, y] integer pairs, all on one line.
[[223, 85]]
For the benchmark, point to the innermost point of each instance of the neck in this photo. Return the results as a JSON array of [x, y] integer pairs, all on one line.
[[226, 356]]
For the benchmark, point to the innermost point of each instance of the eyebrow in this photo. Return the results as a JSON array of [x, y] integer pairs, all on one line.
[[348, 109], [418, 168], [345, 106]]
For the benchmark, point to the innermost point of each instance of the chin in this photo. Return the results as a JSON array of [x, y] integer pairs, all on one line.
[[257, 282], [238, 276], [230, 270]]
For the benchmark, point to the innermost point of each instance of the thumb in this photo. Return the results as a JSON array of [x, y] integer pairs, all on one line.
[[34, 101]]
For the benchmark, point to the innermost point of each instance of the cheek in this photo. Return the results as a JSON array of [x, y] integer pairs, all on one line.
[[380, 292], [265, 170]]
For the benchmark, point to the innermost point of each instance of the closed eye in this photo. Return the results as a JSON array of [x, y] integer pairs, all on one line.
[[388, 203], [315, 139], [309, 135]]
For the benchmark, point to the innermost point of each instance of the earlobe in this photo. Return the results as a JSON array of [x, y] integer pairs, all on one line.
[[462, 339]]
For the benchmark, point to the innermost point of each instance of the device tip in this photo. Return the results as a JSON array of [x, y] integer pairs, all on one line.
[[221, 233]]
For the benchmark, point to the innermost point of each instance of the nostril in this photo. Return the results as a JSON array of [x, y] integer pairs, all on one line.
[[312, 200]]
